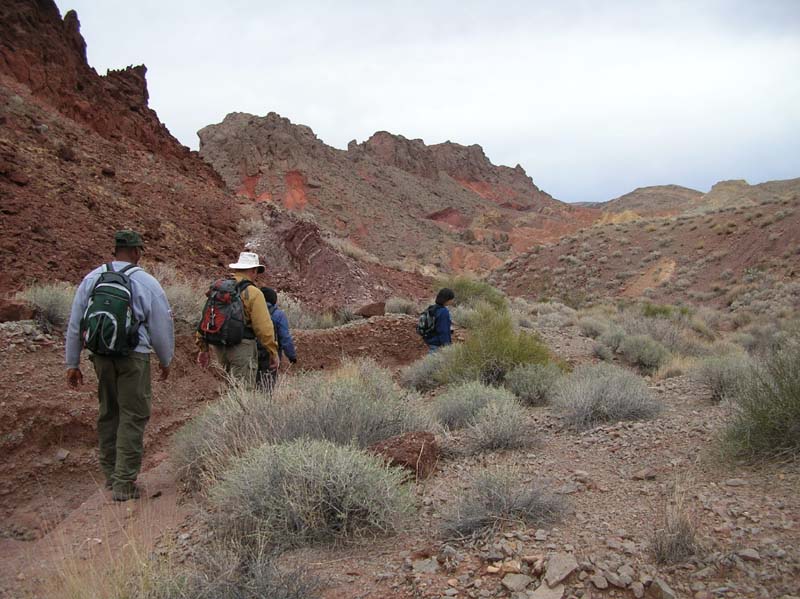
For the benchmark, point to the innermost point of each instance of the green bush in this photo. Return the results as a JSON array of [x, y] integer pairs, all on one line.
[[644, 352], [357, 404], [766, 418], [533, 383], [459, 405], [399, 305], [598, 393], [722, 375], [500, 424], [52, 302], [492, 350], [306, 491], [470, 292], [495, 499]]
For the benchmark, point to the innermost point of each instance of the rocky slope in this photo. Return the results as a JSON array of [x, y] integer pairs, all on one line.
[[445, 205], [707, 254], [82, 155], [657, 200]]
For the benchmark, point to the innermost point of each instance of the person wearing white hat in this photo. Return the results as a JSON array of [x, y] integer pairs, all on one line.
[[241, 360]]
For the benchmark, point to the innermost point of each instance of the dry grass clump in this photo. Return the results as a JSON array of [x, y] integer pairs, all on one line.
[[675, 541], [533, 383], [765, 423], [500, 424], [303, 492], [400, 305], [357, 404], [459, 405], [300, 317], [598, 393], [722, 375], [593, 327], [51, 301], [348, 248], [498, 498], [422, 375]]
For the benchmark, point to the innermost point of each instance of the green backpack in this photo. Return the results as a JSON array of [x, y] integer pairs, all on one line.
[[108, 326]]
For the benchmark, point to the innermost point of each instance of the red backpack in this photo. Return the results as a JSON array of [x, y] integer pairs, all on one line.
[[223, 314]]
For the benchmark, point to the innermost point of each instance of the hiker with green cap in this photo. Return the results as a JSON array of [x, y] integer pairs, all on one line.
[[119, 314]]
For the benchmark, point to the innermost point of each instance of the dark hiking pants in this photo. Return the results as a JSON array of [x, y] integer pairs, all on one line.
[[125, 395]]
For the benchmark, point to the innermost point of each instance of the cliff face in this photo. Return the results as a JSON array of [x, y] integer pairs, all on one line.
[[445, 205], [48, 56], [82, 155]]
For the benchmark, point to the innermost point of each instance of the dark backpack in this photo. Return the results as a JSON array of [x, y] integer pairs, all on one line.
[[426, 325], [223, 315], [108, 326]]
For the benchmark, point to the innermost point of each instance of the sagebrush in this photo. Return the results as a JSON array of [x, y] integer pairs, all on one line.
[[533, 383]]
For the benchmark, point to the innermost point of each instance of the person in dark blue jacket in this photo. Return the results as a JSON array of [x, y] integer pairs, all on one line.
[[267, 376], [441, 334]]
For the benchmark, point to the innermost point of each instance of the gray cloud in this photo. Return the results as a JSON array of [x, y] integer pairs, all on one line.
[[591, 101]]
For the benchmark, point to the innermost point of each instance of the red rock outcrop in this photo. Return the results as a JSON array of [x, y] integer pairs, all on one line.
[[389, 195]]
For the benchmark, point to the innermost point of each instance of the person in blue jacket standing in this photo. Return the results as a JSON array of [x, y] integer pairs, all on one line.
[[442, 333], [267, 376]]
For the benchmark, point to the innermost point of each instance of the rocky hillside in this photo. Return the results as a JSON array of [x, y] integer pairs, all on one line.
[[83, 154], [657, 200], [708, 254], [444, 205]]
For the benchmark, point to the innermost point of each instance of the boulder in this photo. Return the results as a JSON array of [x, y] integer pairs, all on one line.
[[416, 451], [375, 309], [559, 566], [12, 311]]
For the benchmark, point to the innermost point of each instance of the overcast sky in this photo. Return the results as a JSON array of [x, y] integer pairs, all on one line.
[[592, 98]]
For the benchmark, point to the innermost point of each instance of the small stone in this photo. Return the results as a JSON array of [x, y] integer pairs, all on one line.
[[749, 555], [108, 171], [545, 592], [492, 569], [511, 567], [540, 535], [425, 566], [62, 454], [637, 588], [516, 582], [559, 566], [599, 581], [661, 590], [644, 474], [451, 592], [735, 482]]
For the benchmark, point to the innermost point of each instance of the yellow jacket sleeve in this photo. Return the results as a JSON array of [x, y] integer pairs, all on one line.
[[255, 308]]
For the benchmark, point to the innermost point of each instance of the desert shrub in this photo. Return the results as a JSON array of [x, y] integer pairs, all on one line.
[[497, 498], [492, 349], [470, 291], [766, 409], [721, 375], [222, 572], [675, 541], [592, 327], [613, 337], [400, 305], [357, 404], [308, 491], [186, 300], [602, 352], [348, 248], [463, 316], [644, 352], [533, 383], [597, 393], [300, 317], [459, 404], [423, 375], [500, 424], [52, 302]]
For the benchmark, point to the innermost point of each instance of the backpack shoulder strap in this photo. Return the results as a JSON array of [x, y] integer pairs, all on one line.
[[109, 267], [242, 285]]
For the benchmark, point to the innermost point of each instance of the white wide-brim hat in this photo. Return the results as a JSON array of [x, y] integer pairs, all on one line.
[[247, 260]]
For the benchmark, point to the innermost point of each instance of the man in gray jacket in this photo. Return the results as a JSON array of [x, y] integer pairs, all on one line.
[[124, 381]]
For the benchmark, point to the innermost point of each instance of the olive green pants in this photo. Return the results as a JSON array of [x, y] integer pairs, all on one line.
[[240, 361], [124, 392]]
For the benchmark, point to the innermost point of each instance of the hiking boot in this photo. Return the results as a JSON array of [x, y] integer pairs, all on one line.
[[132, 492]]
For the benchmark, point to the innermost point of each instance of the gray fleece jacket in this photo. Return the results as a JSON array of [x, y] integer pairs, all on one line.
[[150, 306]]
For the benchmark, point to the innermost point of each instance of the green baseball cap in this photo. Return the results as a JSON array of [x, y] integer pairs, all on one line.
[[127, 239]]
